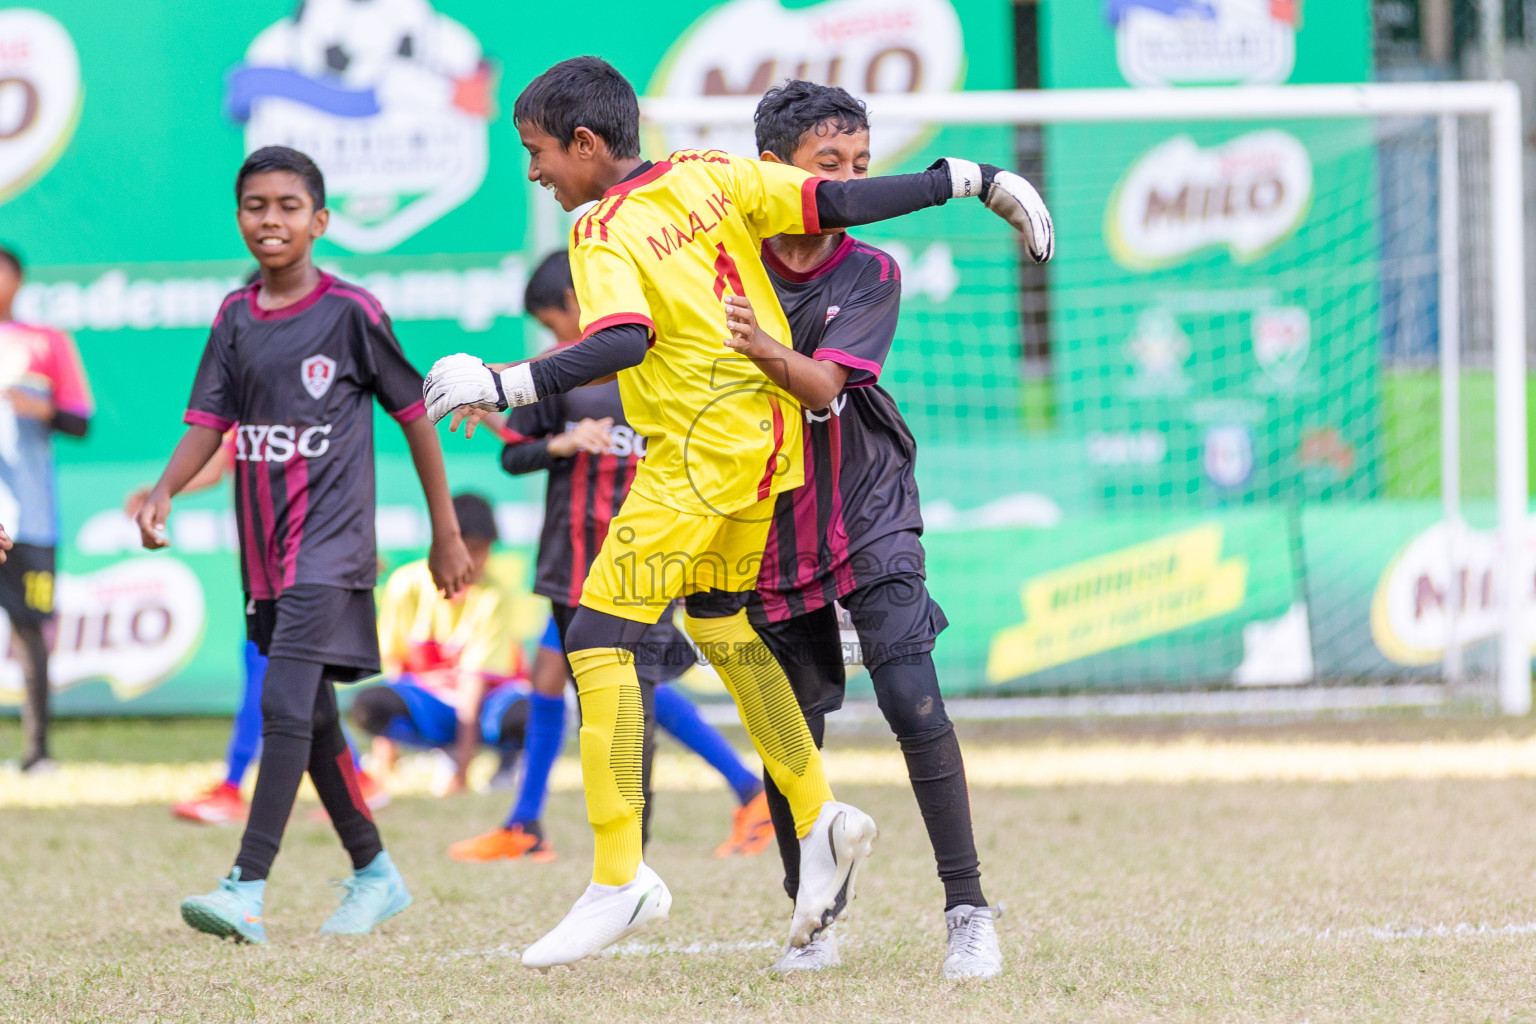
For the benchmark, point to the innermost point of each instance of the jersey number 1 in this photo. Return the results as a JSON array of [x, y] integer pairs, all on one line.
[[727, 274]]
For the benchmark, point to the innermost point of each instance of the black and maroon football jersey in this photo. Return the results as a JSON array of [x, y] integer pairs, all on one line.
[[584, 491], [300, 382], [856, 519]]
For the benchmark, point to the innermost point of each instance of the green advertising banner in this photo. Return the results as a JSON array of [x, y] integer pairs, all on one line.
[[1218, 319], [122, 125], [1392, 583], [1113, 602], [1190, 518], [1213, 346]]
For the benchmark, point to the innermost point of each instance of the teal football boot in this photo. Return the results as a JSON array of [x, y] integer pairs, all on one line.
[[232, 911], [373, 895]]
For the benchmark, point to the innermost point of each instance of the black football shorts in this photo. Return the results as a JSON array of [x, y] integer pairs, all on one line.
[[331, 626], [895, 618], [27, 584]]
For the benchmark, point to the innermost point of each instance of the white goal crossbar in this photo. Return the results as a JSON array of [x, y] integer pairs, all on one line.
[[1498, 102], [1055, 106]]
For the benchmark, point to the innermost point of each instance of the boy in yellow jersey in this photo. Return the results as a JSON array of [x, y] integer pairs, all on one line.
[[652, 263], [454, 670]]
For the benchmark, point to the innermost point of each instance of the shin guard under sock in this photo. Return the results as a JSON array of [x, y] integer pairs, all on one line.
[[335, 779], [769, 711], [288, 713], [938, 782], [612, 747], [784, 819], [908, 693]]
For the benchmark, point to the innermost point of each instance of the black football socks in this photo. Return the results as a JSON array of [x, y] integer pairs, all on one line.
[[301, 731]]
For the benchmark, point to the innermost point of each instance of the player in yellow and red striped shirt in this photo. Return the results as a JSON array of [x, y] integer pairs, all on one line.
[[652, 264]]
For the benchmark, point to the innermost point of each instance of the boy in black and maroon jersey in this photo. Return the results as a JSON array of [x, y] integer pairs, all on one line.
[[851, 533], [297, 360], [590, 452]]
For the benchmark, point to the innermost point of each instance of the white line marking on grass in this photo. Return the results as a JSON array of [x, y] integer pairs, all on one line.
[[634, 947], [1462, 930], [1398, 932]]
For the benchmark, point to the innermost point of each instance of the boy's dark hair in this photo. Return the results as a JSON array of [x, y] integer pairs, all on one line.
[[9, 258], [549, 283], [476, 519], [583, 92], [281, 158], [787, 112]]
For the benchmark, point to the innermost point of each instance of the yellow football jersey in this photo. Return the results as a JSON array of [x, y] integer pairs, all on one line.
[[426, 635], [662, 250]]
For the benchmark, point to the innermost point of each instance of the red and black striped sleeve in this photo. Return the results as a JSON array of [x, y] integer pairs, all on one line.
[[526, 434]]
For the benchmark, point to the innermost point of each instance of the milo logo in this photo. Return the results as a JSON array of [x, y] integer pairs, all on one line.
[[40, 96], [1247, 196], [872, 48], [133, 624]]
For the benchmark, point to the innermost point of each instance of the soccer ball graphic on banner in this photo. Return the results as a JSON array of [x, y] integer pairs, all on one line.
[[330, 39], [390, 98]]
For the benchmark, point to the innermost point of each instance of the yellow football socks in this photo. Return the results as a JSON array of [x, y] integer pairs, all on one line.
[[769, 711], [612, 745]]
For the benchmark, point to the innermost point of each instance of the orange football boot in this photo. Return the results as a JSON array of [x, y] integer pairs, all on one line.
[[503, 844], [220, 805], [751, 829]]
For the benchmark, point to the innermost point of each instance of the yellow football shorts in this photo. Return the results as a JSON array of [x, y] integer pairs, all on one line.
[[654, 554]]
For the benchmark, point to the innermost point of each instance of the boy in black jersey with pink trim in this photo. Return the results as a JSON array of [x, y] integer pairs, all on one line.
[[851, 533], [296, 360]]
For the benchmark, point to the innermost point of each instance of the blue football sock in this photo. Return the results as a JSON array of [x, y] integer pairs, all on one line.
[[541, 745], [676, 714], [357, 759], [245, 736]]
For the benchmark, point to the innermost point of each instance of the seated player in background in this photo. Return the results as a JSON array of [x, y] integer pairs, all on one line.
[[851, 533], [297, 361], [222, 803], [455, 678], [651, 260], [591, 453], [43, 391]]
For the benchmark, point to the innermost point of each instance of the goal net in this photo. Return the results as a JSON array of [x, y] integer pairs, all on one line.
[[1245, 430]]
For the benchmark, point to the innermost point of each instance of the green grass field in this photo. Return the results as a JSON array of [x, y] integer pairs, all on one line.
[[1377, 870]]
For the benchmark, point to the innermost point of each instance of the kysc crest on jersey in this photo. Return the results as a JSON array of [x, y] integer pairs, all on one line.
[[317, 373]]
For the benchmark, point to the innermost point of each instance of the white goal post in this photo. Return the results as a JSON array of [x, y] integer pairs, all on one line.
[[1496, 105]]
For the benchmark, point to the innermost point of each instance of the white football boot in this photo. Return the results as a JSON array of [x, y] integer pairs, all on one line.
[[816, 955], [830, 857], [602, 916], [973, 951]]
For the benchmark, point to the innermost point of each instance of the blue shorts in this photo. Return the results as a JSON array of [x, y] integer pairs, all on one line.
[[431, 721]]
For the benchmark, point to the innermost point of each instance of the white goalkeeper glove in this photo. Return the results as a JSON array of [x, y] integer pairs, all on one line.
[[1010, 197], [462, 381]]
